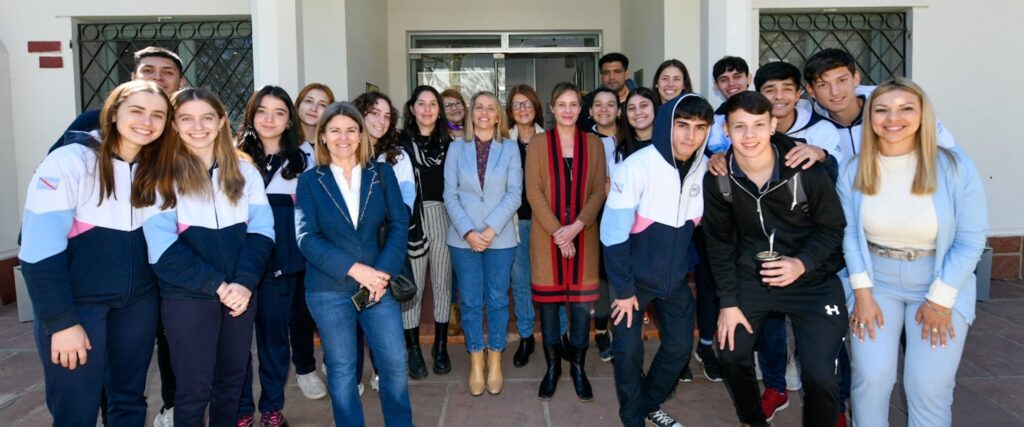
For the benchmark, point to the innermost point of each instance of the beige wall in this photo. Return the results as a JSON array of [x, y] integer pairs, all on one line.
[[366, 29], [643, 41], [9, 212], [324, 48], [491, 15], [683, 35]]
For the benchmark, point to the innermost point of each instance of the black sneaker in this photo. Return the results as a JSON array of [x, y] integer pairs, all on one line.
[[661, 419], [706, 356], [604, 345], [686, 376]]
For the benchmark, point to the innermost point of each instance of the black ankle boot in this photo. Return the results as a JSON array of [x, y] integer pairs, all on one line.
[[577, 370], [553, 355], [442, 363], [566, 346], [522, 356], [417, 368]]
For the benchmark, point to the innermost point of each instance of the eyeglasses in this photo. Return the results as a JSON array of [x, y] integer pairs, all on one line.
[[452, 105], [522, 105]]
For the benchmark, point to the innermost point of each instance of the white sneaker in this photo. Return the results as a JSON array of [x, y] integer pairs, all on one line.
[[793, 375], [360, 387], [757, 367], [661, 419], [375, 383], [311, 385], [164, 418], [323, 368]]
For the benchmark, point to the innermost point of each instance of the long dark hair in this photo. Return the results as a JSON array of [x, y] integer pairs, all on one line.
[[248, 141], [388, 144], [687, 85], [409, 126], [107, 150], [628, 144]]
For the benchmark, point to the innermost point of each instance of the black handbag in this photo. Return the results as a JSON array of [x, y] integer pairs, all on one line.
[[402, 286]]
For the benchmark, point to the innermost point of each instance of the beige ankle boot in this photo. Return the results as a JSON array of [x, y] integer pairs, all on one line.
[[494, 377], [476, 373]]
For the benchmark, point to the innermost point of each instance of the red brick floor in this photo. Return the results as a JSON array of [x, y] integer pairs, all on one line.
[[990, 389]]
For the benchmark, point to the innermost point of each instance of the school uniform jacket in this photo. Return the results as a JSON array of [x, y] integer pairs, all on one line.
[[285, 258], [207, 240], [960, 207], [333, 241], [814, 129], [74, 250], [650, 216]]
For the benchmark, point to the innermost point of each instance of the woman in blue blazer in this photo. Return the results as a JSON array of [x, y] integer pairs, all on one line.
[[916, 227], [483, 187], [342, 207]]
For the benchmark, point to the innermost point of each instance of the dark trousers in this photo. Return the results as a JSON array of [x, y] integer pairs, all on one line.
[[640, 394], [163, 363], [579, 324], [772, 351], [209, 352], [273, 313], [819, 318], [301, 328], [707, 292], [122, 346]]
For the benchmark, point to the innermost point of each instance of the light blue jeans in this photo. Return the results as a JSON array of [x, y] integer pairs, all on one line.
[[483, 282], [929, 374], [522, 293]]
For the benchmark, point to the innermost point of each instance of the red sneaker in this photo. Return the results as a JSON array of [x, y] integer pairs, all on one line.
[[245, 421], [773, 401], [841, 422], [273, 419]]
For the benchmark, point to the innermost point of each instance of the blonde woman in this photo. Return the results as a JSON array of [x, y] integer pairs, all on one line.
[[916, 227]]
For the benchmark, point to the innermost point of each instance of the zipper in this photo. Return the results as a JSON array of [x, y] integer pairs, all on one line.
[[216, 218], [131, 223], [760, 214]]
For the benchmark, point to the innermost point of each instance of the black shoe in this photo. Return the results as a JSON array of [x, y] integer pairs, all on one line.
[[417, 367], [661, 419], [686, 376], [442, 363], [604, 345], [553, 355], [578, 372], [566, 345], [706, 356], [522, 356]]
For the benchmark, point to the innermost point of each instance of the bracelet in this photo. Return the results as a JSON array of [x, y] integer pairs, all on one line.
[[932, 305]]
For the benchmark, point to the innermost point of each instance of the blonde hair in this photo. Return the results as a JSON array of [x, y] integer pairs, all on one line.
[[500, 128], [925, 177], [364, 152]]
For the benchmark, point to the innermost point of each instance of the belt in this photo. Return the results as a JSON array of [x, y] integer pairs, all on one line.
[[899, 254]]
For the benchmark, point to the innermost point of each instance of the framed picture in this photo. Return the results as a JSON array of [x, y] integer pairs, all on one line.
[[370, 87]]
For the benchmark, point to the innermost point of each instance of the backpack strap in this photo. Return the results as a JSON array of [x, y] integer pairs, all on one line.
[[724, 187]]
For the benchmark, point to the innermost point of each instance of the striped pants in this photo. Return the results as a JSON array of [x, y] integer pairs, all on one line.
[[435, 226]]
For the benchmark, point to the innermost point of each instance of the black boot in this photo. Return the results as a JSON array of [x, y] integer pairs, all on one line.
[[577, 370], [442, 363], [566, 346], [553, 355], [522, 356], [417, 368]]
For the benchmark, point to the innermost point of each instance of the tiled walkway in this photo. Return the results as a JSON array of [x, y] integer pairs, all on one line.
[[990, 390]]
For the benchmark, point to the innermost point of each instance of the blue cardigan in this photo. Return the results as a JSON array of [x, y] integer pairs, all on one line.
[[472, 208], [329, 240], [962, 213]]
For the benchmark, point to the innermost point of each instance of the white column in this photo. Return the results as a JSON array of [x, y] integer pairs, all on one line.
[[727, 28], [276, 50]]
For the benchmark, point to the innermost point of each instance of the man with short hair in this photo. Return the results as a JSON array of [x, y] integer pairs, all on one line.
[[153, 63], [649, 219], [614, 69], [731, 75], [774, 235]]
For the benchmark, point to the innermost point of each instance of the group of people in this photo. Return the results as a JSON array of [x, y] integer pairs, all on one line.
[[828, 217]]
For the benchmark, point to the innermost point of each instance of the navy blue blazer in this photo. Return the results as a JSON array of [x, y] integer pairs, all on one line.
[[329, 240]]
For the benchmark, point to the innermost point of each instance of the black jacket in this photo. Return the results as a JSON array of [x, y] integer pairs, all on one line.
[[809, 228]]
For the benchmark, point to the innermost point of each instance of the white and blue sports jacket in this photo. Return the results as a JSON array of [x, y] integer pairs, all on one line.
[[649, 216], [75, 250], [206, 240]]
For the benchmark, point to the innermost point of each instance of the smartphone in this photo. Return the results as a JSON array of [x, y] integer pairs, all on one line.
[[362, 300]]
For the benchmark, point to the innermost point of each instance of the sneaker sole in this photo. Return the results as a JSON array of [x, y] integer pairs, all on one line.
[[315, 396], [781, 407], [607, 359], [714, 380]]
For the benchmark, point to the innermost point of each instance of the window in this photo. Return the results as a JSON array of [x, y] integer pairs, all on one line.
[[878, 40]]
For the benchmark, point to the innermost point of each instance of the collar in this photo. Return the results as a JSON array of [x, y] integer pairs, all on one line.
[[736, 171], [856, 122]]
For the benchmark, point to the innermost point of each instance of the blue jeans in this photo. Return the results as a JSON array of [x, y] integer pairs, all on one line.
[[336, 316], [929, 374], [522, 293], [483, 280], [122, 346]]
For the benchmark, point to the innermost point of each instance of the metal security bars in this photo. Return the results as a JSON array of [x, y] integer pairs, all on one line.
[[217, 55], [878, 40]]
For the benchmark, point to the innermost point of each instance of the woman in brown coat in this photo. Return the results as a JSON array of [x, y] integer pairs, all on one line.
[[565, 185]]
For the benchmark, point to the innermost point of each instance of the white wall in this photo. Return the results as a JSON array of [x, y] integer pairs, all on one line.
[[643, 36], [366, 27], [9, 212], [325, 55], [276, 55], [683, 36], [967, 56], [491, 15]]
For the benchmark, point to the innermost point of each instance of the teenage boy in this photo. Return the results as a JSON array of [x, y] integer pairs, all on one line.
[[764, 204], [615, 77], [834, 82], [732, 76], [649, 218], [153, 63]]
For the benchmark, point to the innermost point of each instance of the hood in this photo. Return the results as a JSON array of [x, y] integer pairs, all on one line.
[[88, 139], [662, 134], [804, 112]]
